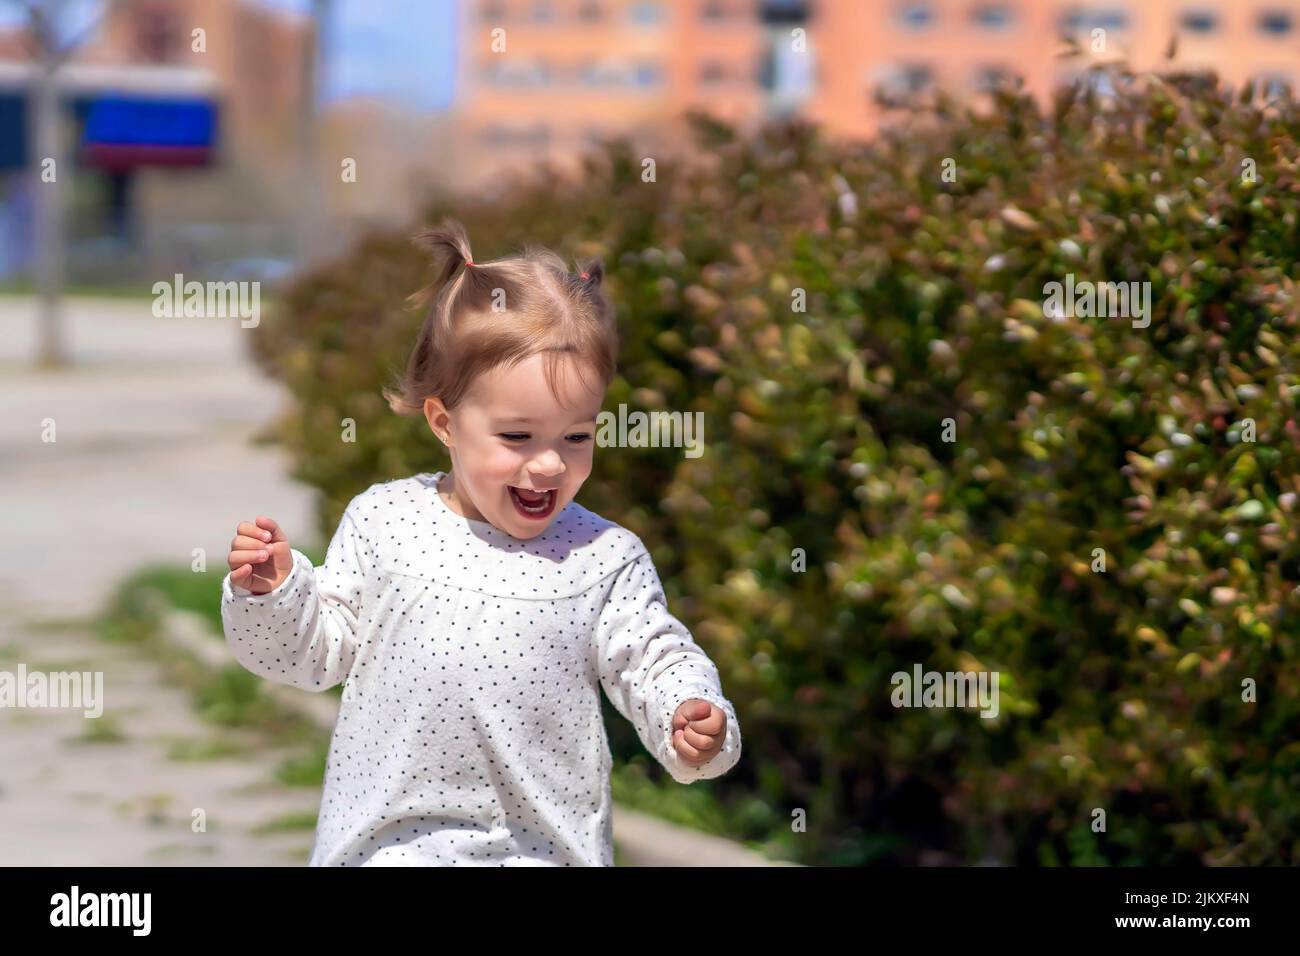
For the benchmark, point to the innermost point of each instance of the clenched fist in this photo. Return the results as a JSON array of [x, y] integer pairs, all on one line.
[[260, 558], [699, 728]]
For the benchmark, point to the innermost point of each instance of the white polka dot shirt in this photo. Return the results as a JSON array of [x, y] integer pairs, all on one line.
[[470, 728]]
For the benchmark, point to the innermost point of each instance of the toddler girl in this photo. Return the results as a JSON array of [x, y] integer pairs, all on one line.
[[473, 615]]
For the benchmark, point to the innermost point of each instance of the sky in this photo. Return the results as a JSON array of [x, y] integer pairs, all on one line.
[[397, 49], [400, 50]]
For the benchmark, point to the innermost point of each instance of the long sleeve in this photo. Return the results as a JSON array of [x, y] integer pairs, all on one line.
[[305, 632], [648, 664]]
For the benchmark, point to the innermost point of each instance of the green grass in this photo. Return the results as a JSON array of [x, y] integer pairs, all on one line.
[[305, 769], [288, 822], [181, 849], [100, 730], [753, 823], [27, 288], [692, 806], [204, 748], [230, 697], [233, 697], [133, 614], [197, 591]]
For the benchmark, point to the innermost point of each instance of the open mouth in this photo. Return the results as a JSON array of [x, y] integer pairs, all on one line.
[[533, 504]]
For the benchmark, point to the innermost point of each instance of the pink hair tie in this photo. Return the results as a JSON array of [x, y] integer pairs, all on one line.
[[469, 262], [586, 276]]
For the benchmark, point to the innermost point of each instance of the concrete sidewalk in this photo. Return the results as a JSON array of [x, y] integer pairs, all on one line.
[[150, 459], [109, 791]]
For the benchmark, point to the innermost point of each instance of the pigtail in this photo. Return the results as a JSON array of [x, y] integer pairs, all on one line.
[[592, 273], [447, 244]]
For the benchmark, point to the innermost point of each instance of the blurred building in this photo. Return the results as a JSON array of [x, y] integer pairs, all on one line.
[[544, 78], [969, 46], [549, 78], [183, 123], [188, 115]]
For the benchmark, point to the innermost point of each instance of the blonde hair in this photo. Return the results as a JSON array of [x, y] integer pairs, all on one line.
[[547, 309]]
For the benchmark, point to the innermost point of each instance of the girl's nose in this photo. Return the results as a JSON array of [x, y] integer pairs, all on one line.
[[547, 464]]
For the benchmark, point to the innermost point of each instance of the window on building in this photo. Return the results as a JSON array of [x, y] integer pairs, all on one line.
[[646, 13], [992, 16], [916, 77], [517, 73], [1274, 22], [543, 11], [712, 73], [916, 16], [1078, 19], [715, 11], [492, 12], [158, 34], [590, 11], [783, 11], [990, 78], [905, 80], [1199, 21], [646, 74], [786, 75], [605, 74]]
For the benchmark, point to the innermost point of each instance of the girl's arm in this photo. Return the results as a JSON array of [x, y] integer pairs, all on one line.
[[648, 664], [305, 632]]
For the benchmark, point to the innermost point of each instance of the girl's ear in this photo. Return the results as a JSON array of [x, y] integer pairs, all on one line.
[[435, 413]]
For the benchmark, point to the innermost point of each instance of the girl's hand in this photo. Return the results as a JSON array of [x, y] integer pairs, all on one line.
[[260, 559], [699, 728]]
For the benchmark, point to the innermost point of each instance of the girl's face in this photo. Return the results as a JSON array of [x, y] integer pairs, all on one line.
[[519, 454]]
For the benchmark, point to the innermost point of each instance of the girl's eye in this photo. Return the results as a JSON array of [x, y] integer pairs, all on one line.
[[577, 438]]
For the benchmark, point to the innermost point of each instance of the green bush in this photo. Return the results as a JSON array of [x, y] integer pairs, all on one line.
[[824, 431]]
